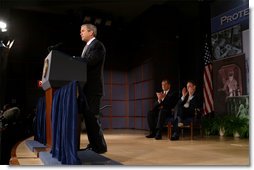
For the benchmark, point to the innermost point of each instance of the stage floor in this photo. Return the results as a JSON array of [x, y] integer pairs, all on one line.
[[131, 147]]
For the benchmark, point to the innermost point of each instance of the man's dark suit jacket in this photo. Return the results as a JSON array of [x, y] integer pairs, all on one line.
[[95, 58], [168, 103], [194, 103]]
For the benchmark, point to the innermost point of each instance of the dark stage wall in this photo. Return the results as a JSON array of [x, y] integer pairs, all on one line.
[[163, 42]]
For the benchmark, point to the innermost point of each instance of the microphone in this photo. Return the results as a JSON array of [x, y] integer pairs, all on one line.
[[12, 114], [53, 47]]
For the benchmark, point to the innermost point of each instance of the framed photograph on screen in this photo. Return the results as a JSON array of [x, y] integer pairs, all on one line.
[[227, 43], [229, 80], [238, 105]]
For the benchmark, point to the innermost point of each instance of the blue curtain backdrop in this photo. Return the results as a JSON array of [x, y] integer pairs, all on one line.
[[40, 121], [64, 124]]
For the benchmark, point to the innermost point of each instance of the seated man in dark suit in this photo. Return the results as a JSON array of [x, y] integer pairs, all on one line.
[[185, 108], [166, 101]]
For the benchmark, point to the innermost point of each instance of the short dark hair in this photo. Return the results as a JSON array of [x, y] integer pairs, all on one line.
[[192, 82], [166, 80]]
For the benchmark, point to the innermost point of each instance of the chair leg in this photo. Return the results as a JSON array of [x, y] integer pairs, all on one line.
[[169, 130], [181, 132], [201, 131], [191, 128]]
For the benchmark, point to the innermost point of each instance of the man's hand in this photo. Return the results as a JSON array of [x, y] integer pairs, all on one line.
[[184, 92], [160, 95]]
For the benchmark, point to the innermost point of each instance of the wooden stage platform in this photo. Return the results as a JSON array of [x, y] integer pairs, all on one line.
[[131, 147]]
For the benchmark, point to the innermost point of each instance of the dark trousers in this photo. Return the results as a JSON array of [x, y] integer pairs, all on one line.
[[93, 125], [181, 115], [156, 119]]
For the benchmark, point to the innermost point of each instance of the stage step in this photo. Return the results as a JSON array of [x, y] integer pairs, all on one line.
[[48, 160], [35, 145], [89, 157]]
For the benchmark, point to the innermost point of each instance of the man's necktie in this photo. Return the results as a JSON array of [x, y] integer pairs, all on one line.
[[84, 51]]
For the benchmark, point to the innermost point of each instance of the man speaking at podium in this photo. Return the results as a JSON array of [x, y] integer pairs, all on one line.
[[94, 55]]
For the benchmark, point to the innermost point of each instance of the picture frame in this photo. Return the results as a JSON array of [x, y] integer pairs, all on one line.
[[229, 80], [227, 42], [238, 105]]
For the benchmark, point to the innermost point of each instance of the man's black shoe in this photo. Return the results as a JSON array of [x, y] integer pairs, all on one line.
[[99, 151], [158, 137], [175, 136], [151, 135], [88, 147]]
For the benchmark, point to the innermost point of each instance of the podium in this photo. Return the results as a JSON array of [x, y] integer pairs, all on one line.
[[59, 69]]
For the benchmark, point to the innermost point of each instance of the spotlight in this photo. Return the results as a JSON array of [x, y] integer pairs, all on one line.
[[3, 26], [2, 45], [10, 44], [3, 29]]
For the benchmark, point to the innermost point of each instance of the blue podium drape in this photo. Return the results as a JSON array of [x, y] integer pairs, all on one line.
[[64, 124], [40, 121]]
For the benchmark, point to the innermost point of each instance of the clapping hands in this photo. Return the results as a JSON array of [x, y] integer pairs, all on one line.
[[184, 91], [160, 95]]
